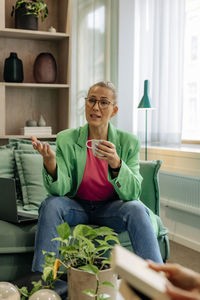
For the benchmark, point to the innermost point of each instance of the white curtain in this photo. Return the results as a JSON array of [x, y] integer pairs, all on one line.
[[94, 38], [158, 57]]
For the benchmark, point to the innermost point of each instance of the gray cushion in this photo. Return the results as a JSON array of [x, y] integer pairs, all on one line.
[[29, 166], [7, 163]]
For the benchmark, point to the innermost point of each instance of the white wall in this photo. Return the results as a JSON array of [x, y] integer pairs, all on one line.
[[125, 65]]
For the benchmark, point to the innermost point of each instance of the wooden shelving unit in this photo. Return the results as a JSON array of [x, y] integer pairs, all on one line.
[[28, 100]]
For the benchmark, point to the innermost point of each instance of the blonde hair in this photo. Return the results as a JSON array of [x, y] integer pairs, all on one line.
[[106, 84]]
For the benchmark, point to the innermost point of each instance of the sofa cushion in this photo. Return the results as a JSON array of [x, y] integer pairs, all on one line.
[[7, 163], [21, 144], [29, 166], [29, 147], [17, 238]]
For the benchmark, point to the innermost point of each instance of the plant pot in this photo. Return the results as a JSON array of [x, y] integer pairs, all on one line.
[[45, 69], [79, 280], [23, 21]]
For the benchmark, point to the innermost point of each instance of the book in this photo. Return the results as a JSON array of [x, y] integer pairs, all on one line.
[[36, 130], [135, 271]]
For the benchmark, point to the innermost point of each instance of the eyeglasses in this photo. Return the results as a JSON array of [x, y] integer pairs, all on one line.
[[103, 104]]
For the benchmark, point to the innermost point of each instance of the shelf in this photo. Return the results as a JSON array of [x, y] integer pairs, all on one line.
[[5, 137], [32, 34], [29, 100], [35, 85]]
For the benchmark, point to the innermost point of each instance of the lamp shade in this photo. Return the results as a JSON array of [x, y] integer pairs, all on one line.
[[45, 294], [145, 102], [8, 291]]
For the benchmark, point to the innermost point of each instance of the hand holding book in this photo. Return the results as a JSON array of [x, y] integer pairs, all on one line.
[[184, 284]]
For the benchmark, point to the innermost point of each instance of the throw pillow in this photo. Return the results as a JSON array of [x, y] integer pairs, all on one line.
[[29, 166], [25, 144], [7, 162]]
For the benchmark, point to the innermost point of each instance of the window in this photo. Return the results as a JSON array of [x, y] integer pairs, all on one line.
[[191, 92], [96, 38]]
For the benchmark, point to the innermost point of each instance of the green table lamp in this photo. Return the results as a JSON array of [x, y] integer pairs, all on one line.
[[146, 105]]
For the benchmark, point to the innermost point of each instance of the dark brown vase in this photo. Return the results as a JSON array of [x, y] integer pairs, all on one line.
[[45, 69], [24, 21]]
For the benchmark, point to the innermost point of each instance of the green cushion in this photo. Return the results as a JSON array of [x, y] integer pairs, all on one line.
[[26, 145], [150, 188], [15, 265], [29, 166], [21, 144], [17, 238], [7, 163]]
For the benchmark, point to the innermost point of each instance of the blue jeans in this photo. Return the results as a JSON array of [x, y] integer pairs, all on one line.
[[131, 216]]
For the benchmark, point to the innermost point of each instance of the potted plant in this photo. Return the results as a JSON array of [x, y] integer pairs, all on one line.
[[28, 12], [83, 254]]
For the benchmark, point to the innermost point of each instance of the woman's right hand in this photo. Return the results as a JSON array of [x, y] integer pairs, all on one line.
[[184, 283], [49, 156]]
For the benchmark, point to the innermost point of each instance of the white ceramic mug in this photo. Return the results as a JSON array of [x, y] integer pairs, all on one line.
[[94, 144]]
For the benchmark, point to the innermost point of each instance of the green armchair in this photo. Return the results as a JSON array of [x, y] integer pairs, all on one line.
[[150, 197], [17, 241]]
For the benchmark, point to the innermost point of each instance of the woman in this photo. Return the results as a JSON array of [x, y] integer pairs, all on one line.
[[96, 189]]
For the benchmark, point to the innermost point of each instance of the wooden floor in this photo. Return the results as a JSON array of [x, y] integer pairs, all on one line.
[[184, 256]]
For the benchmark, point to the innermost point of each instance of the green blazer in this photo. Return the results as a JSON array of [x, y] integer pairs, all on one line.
[[71, 155]]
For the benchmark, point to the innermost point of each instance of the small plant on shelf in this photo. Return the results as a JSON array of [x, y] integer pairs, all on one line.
[[36, 8]]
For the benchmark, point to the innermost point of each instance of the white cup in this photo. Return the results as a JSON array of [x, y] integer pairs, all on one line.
[[94, 144]]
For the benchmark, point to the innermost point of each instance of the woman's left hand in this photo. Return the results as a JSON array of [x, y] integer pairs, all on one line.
[[108, 150]]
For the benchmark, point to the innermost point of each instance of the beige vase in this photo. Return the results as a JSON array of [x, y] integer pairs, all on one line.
[[79, 280]]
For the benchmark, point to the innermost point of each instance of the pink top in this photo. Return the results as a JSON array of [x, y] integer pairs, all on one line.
[[95, 185]]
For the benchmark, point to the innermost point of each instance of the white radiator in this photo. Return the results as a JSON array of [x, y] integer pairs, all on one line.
[[180, 191]]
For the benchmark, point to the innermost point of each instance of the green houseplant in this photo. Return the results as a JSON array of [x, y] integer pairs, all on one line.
[[28, 12], [82, 253]]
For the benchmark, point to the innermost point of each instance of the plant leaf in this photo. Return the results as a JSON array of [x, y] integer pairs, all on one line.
[[49, 260], [108, 283], [24, 291], [82, 230], [36, 286], [104, 231], [47, 273], [112, 238], [89, 292], [56, 266], [90, 269], [63, 230], [104, 296]]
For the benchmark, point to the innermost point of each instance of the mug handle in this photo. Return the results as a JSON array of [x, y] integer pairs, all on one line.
[[87, 144]]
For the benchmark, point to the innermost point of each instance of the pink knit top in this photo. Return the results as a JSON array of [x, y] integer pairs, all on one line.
[[95, 185]]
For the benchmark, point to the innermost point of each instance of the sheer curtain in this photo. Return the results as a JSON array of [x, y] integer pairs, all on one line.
[[158, 56], [94, 50]]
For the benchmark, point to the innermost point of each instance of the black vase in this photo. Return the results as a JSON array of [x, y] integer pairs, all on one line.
[[24, 21], [13, 69]]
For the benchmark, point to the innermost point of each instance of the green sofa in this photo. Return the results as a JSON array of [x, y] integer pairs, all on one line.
[[18, 160]]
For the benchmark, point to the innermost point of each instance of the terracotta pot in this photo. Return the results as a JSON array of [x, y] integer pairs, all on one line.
[[79, 280], [45, 69], [23, 21]]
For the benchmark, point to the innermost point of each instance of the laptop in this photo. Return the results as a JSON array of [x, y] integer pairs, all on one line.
[[8, 203]]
